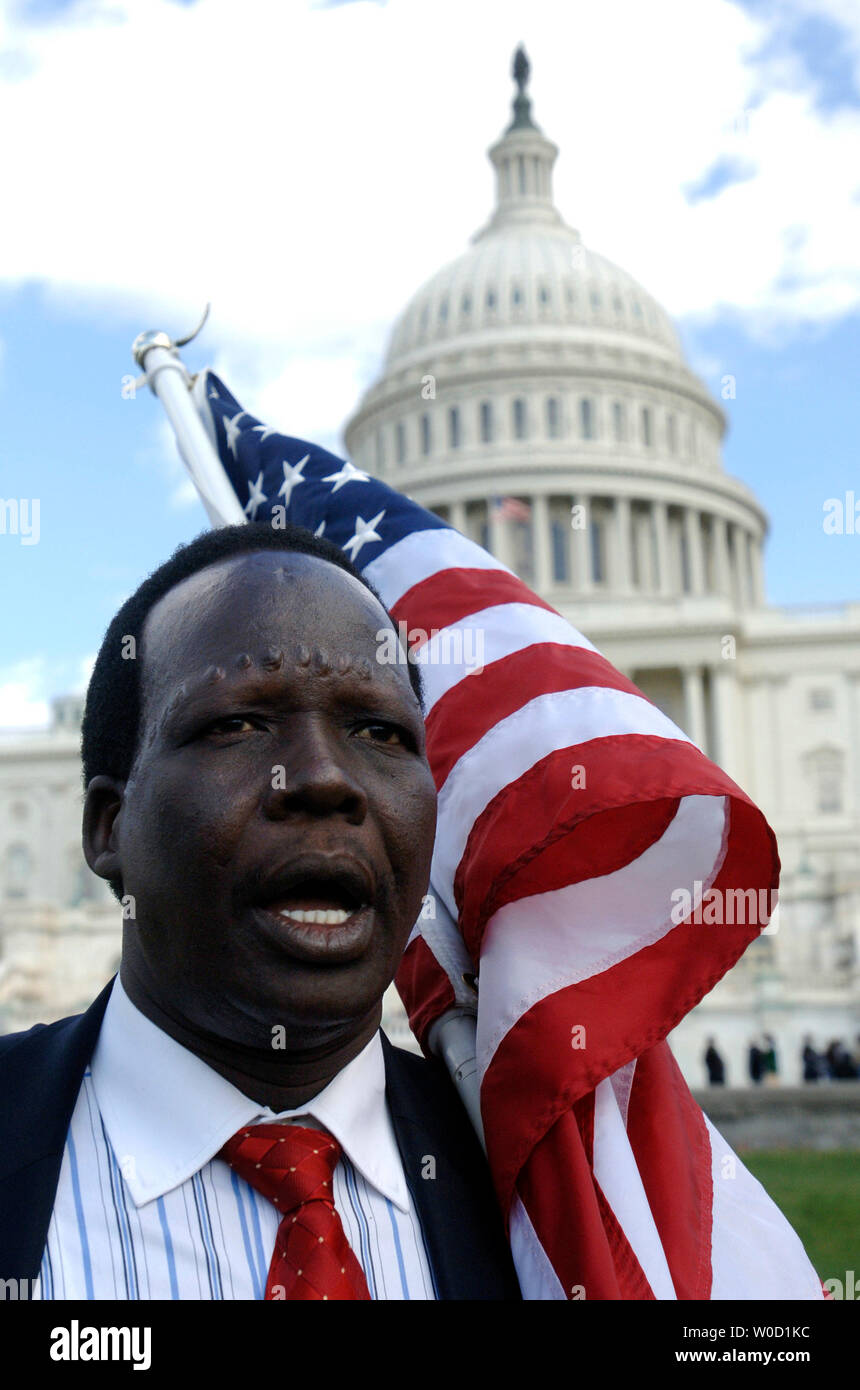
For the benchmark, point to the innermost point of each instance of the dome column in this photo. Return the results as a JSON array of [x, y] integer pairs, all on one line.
[[541, 543], [581, 537], [722, 559], [660, 514], [620, 567], [740, 587], [497, 535], [757, 571], [724, 688], [694, 704], [458, 517], [695, 556]]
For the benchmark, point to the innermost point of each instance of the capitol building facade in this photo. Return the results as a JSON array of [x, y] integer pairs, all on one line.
[[537, 397]]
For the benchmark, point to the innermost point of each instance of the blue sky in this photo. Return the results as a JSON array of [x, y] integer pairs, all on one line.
[[310, 168]]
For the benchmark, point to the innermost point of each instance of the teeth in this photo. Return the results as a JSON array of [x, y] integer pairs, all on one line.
[[321, 916]]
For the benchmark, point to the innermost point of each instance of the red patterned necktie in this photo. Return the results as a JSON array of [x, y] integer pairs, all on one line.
[[294, 1168]]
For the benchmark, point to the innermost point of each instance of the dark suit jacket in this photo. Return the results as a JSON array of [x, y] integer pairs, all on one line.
[[40, 1076]]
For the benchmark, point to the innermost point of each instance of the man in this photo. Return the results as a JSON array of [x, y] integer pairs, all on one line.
[[258, 797], [715, 1065]]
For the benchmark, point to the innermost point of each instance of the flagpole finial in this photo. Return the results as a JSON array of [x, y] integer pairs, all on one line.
[[152, 338], [156, 338]]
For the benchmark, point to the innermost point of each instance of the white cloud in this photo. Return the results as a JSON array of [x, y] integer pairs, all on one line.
[[306, 168], [23, 700]]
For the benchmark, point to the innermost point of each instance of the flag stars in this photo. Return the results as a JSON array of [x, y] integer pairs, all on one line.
[[348, 474], [257, 495], [293, 475], [232, 430], [364, 531]]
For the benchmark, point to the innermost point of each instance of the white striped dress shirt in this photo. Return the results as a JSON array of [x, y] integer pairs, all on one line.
[[144, 1209]]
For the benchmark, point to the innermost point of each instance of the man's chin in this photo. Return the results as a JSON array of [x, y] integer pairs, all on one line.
[[306, 1006]]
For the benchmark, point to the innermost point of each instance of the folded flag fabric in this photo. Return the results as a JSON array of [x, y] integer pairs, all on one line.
[[593, 871]]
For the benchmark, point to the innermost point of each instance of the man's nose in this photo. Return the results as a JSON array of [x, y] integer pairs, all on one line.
[[313, 776]]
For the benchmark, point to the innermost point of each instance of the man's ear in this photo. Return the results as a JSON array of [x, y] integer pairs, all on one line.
[[102, 805]]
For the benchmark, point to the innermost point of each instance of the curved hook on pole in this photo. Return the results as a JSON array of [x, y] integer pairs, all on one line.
[[155, 338], [180, 342]]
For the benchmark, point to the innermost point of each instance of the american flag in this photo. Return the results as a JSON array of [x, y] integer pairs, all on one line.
[[511, 509], [571, 813]]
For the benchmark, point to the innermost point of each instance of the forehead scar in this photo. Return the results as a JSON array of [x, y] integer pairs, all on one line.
[[271, 658]]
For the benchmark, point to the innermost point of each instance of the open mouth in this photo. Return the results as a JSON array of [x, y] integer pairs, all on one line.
[[321, 918], [324, 902]]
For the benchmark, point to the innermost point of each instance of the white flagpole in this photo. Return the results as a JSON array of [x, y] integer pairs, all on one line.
[[452, 1037], [168, 379]]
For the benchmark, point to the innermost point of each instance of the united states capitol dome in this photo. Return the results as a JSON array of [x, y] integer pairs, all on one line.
[[527, 269], [530, 384]]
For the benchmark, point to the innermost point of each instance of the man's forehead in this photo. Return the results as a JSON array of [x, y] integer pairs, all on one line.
[[268, 598]]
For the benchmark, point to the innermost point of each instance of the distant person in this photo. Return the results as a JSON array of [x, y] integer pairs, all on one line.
[[840, 1063], [770, 1065], [756, 1063], [715, 1065], [814, 1066]]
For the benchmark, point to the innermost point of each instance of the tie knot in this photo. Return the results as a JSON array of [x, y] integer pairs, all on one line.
[[289, 1164]]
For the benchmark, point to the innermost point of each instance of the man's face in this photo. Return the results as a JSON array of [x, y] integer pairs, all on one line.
[[277, 826]]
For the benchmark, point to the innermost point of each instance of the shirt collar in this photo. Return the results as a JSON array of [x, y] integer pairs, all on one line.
[[167, 1112]]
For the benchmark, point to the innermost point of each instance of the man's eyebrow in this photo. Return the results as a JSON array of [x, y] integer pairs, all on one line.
[[264, 679]]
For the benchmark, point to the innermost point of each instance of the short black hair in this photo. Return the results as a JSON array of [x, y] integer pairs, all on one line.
[[110, 727]]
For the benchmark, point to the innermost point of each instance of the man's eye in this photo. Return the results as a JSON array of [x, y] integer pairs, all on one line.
[[380, 732], [230, 724]]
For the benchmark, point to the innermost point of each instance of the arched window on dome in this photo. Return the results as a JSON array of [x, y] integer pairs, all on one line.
[[521, 173], [400, 441], [544, 296], [637, 309], [454, 427], [595, 299], [671, 434], [426, 434], [647, 427], [516, 297], [570, 294], [490, 299], [520, 422], [380, 451], [486, 422], [443, 310], [619, 422], [425, 318], [617, 305], [466, 304], [586, 418], [553, 417]]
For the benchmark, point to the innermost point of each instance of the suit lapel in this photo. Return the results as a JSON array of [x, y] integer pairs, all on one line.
[[446, 1172], [449, 1181], [41, 1075]]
